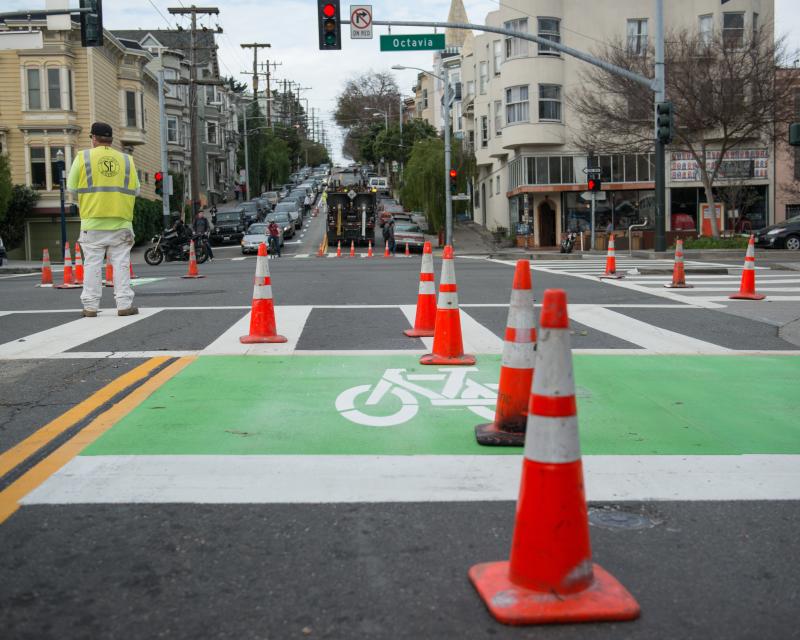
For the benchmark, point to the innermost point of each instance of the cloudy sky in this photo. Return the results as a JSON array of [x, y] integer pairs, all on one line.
[[290, 27]]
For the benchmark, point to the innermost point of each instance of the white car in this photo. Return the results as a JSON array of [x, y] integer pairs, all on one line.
[[255, 235], [379, 183]]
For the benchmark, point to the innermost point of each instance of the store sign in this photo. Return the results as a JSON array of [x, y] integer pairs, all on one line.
[[741, 164]]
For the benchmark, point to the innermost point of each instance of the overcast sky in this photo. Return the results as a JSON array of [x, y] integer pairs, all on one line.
[[290, 27]]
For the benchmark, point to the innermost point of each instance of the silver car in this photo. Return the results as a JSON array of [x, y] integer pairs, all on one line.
[[255, 235]]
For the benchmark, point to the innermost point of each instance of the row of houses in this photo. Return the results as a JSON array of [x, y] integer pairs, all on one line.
[[50, 96], [511, 111]]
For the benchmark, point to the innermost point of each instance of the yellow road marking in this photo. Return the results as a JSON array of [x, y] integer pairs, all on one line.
[[30, 445], [34, 477]]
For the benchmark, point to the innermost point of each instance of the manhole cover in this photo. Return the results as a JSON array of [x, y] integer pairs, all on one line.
[[613, 519]]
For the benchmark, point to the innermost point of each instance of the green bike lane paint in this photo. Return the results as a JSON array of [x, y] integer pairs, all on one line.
[[384, 428]]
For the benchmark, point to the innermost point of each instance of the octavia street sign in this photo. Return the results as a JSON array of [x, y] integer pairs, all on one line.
[[406, 42]]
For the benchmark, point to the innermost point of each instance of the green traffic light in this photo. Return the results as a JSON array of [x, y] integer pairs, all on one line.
[[330, 39]]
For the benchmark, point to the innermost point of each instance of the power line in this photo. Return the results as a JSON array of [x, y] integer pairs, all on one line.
[[153, 4]]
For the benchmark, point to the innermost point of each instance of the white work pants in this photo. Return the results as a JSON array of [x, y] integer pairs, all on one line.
[[95, 245]]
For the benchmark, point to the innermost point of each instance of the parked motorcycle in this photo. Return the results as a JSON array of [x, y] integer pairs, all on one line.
[[568, 243], [166, 247]]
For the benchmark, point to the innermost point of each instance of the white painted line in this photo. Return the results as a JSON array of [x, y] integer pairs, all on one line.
[[641, 333], [477, 338], [289, 479], [301, 255], [759, 289], [64, 337], [289, 321], [19, 275], [238, 259], [410, 312]]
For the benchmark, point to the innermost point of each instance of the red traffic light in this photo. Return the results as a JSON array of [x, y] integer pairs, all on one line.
[[453, 173], [594, 184], [328, 10], [159, 175]]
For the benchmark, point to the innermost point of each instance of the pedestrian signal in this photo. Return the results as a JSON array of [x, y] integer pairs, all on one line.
[[594, 184]]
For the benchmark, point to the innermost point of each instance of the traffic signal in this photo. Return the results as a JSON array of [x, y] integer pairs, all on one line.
[[330, 26], [92, 23], [594, 183], [453, 181], [159, 177], [665, 125]]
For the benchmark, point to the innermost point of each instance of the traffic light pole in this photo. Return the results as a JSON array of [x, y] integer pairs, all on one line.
[[594, 204], [167, 181], [660, 159]]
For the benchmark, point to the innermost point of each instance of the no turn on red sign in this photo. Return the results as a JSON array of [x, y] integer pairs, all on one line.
[[361, 21]]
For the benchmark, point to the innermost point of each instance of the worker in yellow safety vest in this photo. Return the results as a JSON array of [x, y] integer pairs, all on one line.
[[106, 183]]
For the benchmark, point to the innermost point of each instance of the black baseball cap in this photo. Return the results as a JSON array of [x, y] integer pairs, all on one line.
[[101, 129]]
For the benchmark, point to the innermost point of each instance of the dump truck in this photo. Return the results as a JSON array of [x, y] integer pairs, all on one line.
[[352, 206]]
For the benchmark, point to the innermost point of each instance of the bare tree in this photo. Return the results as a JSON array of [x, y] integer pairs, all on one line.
[[725, 93]]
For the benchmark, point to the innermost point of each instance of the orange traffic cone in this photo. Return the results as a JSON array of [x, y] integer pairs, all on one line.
[[611, 262], [408, 253], [69, 280], [747, 287], [133, 275], [678, 274], [352, 249], [447, 344], [47, 271], [78, 264], [339, 249], [516, 369], [425, 320], [193, 272], [262, 316], [369, 249], [386, 250], [550, 576], [109, 281]]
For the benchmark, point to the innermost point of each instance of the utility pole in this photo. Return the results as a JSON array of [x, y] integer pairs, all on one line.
[[255, 46], [269, 89], [193, 11]]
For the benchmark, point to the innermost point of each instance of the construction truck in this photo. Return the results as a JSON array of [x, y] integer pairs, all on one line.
[[352, 207]]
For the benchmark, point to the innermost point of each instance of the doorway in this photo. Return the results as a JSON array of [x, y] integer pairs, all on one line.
[[547, 225]]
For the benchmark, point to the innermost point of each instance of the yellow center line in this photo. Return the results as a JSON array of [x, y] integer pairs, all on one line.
[[30, 445], [34, 477]]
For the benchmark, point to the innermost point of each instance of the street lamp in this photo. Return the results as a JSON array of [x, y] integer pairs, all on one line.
[[448, 202], [378, 112], [61, 187]]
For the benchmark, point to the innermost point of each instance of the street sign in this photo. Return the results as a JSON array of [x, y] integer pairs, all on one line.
[[592, 171], [599, 195], [419, 42], [21, 40], [351, 194], [460, 196], [361, 21]]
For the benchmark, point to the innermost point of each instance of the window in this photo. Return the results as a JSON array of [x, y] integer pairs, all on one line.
[[38, 168], [517, 104], [755, 27], [53, 88], [733, 30], [484, 131], [484, 77], [497, 55], [491, 191], [470, 87], [211, 132], [69, 90], [637, 37], [424, 98], [497, 182], [142, 112], [34, 89], [550, 102], [172, 129], [498, 117], [549, 29], [171, 75], [705, 28], [54, 168], [130, 109], [516, 48], [210, 93]]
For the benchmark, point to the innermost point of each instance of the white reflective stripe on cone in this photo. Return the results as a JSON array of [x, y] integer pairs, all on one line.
[[448, 300], [427, 288], [521, 314], [262, 292], [427, 263], [554, 364], [519, 355], [552, 440], [262, 267], [448, 273]]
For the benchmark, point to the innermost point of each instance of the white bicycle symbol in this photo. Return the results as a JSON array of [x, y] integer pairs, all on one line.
[[458, 391]]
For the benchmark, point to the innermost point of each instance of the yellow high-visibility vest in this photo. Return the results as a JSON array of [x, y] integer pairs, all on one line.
[[107, 183]]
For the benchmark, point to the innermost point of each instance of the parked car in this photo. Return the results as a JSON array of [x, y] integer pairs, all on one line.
[[271, 197], [406, 232], [284, 222], [420, 220], [229, 226], [782, 235], [294, 210], [389, 210], [256, 234]]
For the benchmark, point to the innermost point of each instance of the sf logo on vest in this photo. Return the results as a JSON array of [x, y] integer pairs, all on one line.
[[108, 166]]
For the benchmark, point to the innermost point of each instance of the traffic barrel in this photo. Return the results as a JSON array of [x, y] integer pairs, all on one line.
[[747, 286], [352, 249], [69, 280], [425, 319], [47, 270], [678, 273], [262, 314], [611, 262], [448, 347], [78, 264], [516, 368], [193, 273], [550, 577], [109, 281], [369, 249], [339, 249]]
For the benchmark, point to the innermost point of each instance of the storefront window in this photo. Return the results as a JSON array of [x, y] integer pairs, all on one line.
[[620, 208]]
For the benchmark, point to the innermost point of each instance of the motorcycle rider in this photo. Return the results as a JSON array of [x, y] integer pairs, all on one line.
[[203, 228], [274, 238]]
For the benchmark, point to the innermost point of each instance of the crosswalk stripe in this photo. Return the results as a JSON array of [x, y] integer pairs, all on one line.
[[290, 321]]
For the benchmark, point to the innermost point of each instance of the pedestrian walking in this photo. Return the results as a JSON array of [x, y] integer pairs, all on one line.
[[203, 228], [307, 205], [106, 184], [389, 234], [274, 238]]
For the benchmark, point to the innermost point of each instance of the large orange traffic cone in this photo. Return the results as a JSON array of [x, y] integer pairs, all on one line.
[[611, 262], [369, 249], [352, 249], [408, 253], [678, 274], [550, 576], [133, 275], [262, 316], [448, 347], [47, 271], [425, 319], [747, 287], [516, 369], [69, 280], [386, 250], [339, 249], [193, 272], [78, 264], [109, 281]]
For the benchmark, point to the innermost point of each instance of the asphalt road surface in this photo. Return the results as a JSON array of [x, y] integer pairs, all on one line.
[[160, 479]]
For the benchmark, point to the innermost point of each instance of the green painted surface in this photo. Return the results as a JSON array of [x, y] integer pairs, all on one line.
[[629, 405]]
